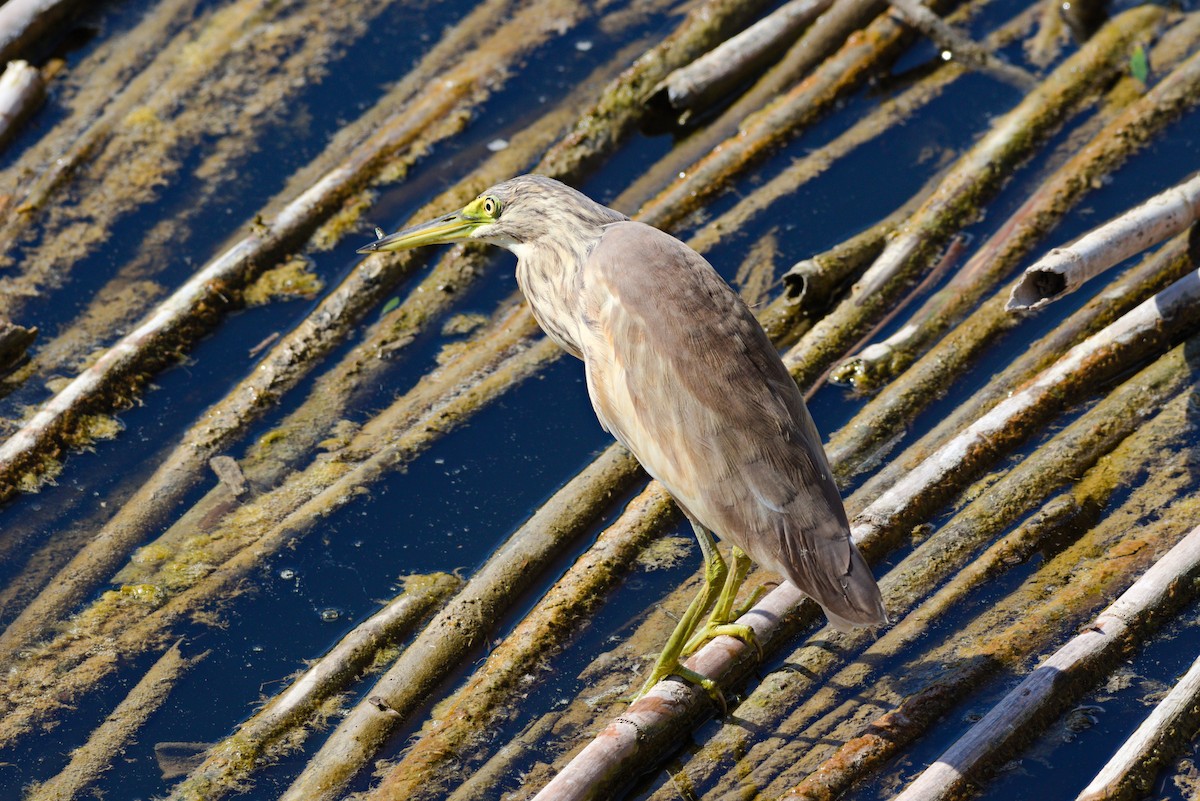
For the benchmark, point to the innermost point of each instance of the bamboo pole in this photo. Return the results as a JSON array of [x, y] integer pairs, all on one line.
[[1132, 767], [23, 22], [974, 177], [228, 765], [118, 622], [421, 773], [853, 449], [710, 77], [1065, 269], [1053, 682], [21, 92], [1124, 135], [108, 742]]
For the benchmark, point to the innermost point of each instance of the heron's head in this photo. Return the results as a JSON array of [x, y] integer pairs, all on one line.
[[510, 214]]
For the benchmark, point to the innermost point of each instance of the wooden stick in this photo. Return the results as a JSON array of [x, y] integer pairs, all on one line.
[[229, 764], [22, 22], [1041, 690], [108, 742], [1145, 117], [960, 47], [1063, 270], [21, 91], [973, 178], [1134, 764], [710, 77]]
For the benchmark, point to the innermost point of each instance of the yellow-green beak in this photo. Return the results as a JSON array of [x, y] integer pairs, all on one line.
[[450, 228]]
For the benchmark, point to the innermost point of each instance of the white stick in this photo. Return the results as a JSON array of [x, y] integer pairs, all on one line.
[[1063, 270], [21, 90], [1144, 750], [23, 21], [1038, 691]]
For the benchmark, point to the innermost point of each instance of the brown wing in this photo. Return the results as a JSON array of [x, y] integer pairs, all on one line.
[[682, 374]]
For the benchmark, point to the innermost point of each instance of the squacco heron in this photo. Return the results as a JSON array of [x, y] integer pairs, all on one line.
[[681, 373]]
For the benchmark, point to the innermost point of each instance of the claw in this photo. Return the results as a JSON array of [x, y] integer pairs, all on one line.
[[700, 680]]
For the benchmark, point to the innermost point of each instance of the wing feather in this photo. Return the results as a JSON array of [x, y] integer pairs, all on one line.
[[682, 374]]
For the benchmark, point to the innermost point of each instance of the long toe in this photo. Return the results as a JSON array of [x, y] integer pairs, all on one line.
[[712, 630]]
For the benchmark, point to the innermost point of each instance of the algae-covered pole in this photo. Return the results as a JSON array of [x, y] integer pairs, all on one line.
[[617, 112], [229, 764], [858, 58], [1118, 140], [974, 178], [710, 77], [1163, 586], [21, 92], [1151, 326], [462, 625], [109, 741], [1133, 766], [1065, 269], [553, 621], [23, 21], [848, 448]]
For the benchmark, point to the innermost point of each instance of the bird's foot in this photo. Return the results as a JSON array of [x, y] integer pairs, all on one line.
[[663, 670], [711, 630]]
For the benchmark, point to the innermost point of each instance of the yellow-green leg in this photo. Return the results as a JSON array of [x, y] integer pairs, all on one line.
[[719, 622], [715, 573]]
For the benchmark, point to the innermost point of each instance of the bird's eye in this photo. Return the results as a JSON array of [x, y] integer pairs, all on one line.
[[491, 207]]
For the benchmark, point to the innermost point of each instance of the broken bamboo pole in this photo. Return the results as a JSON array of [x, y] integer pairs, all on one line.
[[1152, 326], [1126, 133], [1064, 269], [974, 177], [854, 449]]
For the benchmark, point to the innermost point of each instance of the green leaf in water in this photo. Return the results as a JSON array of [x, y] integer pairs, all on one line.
[[1139, 64], [391, 304]]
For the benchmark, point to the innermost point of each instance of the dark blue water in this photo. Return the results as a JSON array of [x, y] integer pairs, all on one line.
[[454, 504]]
